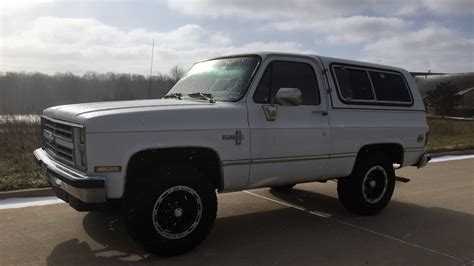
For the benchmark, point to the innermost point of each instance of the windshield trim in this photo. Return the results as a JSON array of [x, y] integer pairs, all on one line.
[[245, 91]]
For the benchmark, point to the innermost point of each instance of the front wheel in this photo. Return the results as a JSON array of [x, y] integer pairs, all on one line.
[[171, 216], [369, 188]]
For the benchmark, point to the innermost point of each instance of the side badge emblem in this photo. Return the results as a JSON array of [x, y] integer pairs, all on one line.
[[238, 137]]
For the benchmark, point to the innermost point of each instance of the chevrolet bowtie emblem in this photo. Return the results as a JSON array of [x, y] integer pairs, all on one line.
[[51, 138]]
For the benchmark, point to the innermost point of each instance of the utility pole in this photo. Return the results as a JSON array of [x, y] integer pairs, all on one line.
[[151, 68]]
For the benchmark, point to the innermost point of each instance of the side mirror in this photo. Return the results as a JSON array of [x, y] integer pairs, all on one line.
[[288, 97]]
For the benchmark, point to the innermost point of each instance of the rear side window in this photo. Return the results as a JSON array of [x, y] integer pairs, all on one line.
[[354, 84], [359, 85], [284, 74], [389, 87]]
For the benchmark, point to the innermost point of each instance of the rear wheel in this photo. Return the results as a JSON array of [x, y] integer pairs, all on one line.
[[171, 215], [370, 186], [283, 188]]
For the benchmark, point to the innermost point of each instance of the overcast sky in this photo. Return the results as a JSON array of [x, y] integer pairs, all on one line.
[[116, 36]]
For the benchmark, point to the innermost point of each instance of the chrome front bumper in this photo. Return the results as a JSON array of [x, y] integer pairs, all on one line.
[[423, 161], [82, 192]]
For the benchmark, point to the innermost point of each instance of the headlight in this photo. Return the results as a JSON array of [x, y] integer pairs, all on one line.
[[82, 136], [80, 147]]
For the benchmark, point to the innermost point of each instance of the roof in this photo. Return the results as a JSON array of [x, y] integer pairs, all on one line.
[[325, 59]]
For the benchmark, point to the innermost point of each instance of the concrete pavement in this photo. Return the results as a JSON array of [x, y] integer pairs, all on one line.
[[430, 221]]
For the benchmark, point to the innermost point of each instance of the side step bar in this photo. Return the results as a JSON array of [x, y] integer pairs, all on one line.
[[402, 179]]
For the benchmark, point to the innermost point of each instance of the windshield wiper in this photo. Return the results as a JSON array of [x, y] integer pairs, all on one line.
[[176, 95], [205, 96]]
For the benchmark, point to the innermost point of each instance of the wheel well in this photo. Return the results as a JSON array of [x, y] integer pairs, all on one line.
[[204, 160], [393, 150]]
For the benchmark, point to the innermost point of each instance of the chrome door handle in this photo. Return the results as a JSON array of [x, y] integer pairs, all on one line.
[[323, 113]]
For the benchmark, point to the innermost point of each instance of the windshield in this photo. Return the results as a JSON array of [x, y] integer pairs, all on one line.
[[223, 79]]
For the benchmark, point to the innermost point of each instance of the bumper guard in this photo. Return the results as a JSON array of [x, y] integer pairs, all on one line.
[[82, 192], [425, 158]]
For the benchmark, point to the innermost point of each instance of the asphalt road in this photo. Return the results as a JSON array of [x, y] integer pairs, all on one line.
[[430, 221]]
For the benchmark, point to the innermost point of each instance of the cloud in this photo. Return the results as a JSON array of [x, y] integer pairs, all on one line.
[[435, 48], [336, 22], [395, 32], [348, 30], [14, 7], [276, 10], [53, 44], [266, 9], [457, 7]]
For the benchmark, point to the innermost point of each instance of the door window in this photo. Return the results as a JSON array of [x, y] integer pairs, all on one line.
[[285, 74]]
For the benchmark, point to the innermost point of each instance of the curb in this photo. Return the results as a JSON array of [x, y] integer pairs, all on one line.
[[448, 153], [27, 193]]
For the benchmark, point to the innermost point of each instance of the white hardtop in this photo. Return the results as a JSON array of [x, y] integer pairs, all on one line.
[[326, 60]]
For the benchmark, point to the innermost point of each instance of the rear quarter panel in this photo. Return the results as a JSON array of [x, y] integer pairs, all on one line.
[[354, 126]]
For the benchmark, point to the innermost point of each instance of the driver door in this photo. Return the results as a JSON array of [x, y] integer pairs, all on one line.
[[289, 144]]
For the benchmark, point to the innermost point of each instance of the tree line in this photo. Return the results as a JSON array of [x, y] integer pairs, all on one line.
[[31, 92]]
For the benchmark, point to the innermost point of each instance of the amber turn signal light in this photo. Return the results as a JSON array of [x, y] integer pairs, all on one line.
[[107, 169]]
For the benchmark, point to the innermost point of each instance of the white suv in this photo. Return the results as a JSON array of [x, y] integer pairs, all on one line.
[[234, 123]]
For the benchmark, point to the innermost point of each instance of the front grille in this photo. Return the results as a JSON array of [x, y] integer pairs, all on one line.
[[58, 129], [60, 151], [58, 140]]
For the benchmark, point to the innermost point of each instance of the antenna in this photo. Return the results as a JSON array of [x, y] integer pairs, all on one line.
[[151, 68]]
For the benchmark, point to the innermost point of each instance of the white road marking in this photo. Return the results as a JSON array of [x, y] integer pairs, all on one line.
[[14, 203], [327, 215], [398, 239], [451, 158], [317, 213]]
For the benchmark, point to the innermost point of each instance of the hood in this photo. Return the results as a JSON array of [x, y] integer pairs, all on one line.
[[73, 112], [145, 115]]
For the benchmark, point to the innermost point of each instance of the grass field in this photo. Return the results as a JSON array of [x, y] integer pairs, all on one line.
[[19, 170], [450, 135]]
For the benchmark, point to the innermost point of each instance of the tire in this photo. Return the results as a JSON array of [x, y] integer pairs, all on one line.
[[369, 188], [171, 214], [283, 188]]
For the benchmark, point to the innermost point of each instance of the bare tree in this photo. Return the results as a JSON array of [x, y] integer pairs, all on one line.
[[29, 93], [176, 73]]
